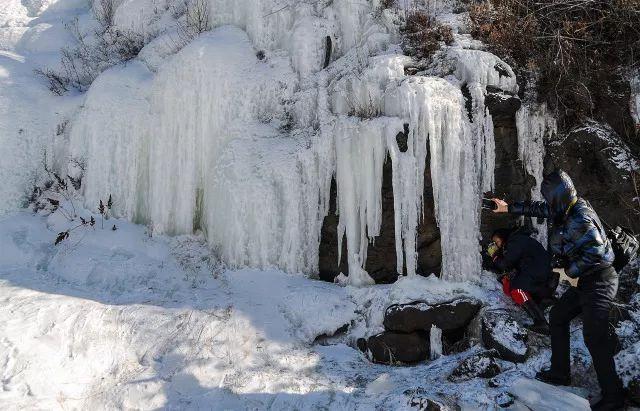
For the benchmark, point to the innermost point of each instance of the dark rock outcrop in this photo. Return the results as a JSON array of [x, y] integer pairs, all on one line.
[[381, 254], [396, 348], [500, 331], [418, 315], [481, 365], [422, 400], [511, 180], [600, 165]]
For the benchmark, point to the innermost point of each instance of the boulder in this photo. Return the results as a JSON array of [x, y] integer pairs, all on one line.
[[419, 315], [396, 348], [422, 400], [481, 365], [500, 331]]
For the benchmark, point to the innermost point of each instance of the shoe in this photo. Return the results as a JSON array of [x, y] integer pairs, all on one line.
[[361, 343], [547, 376], [610, 403], [540, 324], [542, 329]]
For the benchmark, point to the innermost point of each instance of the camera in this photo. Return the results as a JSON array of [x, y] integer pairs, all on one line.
[[489, 204]]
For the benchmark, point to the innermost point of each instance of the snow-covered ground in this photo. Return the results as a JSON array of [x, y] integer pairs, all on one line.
[[121, 320], [209, 138]]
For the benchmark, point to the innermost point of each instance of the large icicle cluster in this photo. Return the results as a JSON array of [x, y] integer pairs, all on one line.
[[435, 109], [478, 69], [213, 138], [534, 125]]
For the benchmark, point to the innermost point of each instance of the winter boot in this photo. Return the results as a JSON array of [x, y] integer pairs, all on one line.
[[610, 403], [549, 377], [540, 324]]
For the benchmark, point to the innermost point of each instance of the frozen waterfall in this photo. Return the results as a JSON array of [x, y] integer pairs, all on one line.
[[213, 138]]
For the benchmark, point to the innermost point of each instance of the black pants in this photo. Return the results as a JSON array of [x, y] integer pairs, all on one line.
[[592, 298]]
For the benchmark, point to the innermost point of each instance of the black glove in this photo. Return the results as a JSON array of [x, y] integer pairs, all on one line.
[[559, 261]]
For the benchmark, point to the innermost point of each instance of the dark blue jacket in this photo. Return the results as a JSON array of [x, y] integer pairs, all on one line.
[[576, 233], [530, 261]]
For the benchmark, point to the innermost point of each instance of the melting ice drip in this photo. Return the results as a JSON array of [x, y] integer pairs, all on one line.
[[435, 340]]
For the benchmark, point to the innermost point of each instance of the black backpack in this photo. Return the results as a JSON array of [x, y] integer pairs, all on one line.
[[624, 243]]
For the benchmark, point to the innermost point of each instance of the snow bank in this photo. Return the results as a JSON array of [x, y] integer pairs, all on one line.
[[30, 34], [116, 319]]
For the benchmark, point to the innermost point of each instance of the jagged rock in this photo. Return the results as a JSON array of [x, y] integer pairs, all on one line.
[[396, 348], [600, 165], [481, 365], [421, 316], [500, 331], [502, 106], [504, 400], [421, 400]]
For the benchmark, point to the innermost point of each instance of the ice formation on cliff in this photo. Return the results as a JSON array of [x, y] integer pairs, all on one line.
[[214, 139]]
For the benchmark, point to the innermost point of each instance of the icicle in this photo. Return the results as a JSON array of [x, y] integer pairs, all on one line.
[[361, 149], [483, 141], [533, 125], [435, 346], [634, 102]]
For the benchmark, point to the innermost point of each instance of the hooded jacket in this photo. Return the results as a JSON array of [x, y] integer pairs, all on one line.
[[530, 261], [576, 233]]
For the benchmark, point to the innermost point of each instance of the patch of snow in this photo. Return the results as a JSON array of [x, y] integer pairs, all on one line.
[[537, 395]]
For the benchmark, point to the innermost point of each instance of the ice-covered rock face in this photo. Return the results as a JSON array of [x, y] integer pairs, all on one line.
[[213, 138]]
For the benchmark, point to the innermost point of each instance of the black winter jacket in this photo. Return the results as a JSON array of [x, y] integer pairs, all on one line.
[[576, 233], [530, 261]]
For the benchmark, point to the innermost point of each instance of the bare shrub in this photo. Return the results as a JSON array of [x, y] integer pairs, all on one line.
[[58, 83], [196, 20], [424, 35], [92, 52], [576, 46], [365, 110], [104, 11]]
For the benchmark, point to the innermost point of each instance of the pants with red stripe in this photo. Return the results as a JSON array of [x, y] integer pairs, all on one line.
[[517, 295]]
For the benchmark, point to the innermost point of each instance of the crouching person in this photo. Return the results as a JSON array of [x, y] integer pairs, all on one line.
[[524, 268], [578, 238]]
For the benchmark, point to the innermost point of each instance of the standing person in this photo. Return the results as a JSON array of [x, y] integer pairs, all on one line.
[[525, 272], [577, 239]]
